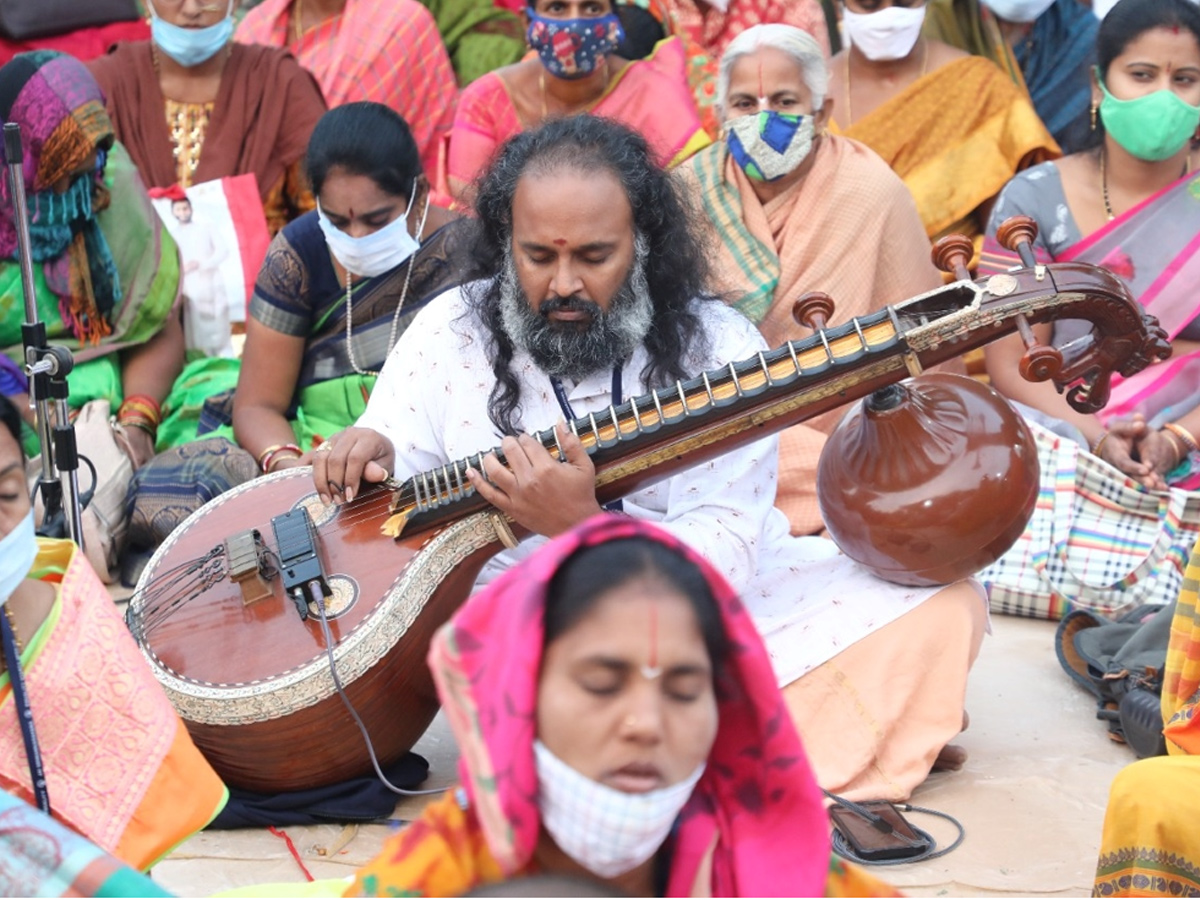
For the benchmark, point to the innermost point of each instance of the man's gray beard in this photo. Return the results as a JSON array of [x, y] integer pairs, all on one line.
[[565, 351]]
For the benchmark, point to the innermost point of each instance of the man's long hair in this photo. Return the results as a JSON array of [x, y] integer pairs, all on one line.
[[676, 267]]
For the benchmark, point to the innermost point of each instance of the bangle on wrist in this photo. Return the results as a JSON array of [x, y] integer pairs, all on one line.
[[1186, 437], [1181, 449], [140, 406], [1096, 447], [270, 456]]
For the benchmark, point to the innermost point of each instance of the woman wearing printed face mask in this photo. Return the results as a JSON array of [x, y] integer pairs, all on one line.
[[953, 126], [89, 694], [575, 70], [191, 106], [1127, 205], [625, 754], [1046, 47], [340, 285], [788, 204]]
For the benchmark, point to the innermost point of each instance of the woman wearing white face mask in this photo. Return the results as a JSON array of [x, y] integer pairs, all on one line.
[[337, 288], [1046, 46], [619, 722], [115, 763], [191, 106], [953, 126], [340, 285]]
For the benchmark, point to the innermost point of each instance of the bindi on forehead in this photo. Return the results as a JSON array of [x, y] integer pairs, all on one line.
[[560, 242]]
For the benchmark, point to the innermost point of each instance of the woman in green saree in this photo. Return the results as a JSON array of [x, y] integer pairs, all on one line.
[[106, 273]]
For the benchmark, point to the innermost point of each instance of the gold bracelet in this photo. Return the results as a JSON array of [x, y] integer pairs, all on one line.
[[1181, 450], [1099, 444], [267, 452], [1184, 435], [272, 456]]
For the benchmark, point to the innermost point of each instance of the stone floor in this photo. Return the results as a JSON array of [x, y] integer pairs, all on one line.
[[1031, 796]]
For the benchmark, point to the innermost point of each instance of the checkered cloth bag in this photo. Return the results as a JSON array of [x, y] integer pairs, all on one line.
[[1097, 540]]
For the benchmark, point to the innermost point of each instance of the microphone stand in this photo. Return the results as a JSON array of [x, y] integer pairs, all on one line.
[[47, 368]]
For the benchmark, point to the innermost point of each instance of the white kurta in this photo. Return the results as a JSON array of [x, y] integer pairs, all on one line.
[[808, 599]]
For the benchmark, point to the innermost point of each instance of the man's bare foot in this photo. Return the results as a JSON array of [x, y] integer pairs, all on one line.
[[950, 758]]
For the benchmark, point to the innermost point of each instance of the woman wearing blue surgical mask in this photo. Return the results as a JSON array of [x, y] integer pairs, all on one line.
[[925, 106], [192, 106], [791, 208], [573, 68], [1127, 204], [76, 696]]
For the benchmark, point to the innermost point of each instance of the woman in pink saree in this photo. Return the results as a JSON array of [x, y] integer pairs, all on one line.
[[618, 722], [573, 69], [1133, 207]]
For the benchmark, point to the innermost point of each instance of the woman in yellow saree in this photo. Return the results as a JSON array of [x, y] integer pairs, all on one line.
[[953, 126], [1151, 845]]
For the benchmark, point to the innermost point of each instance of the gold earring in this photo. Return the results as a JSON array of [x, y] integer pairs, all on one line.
[[1095, 106]]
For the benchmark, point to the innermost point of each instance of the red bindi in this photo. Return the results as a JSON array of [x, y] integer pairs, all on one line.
[[560, 242]]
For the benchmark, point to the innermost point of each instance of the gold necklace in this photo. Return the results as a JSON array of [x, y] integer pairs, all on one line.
[[924, 69], [297, 21], [395, 317]]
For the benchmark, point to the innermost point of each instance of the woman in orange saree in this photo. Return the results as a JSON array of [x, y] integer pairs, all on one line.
[[116, 763]]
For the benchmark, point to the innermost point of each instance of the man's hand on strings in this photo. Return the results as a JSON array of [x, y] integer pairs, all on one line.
[[536, 490], [353, 456]]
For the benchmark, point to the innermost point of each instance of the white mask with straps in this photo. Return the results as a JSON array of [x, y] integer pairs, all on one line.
[[886, 34], [377, 252], [608, 832], [1020, 11]]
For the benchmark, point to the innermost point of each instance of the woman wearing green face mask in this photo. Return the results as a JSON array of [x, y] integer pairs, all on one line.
[[1131, 204], [1127, 204]]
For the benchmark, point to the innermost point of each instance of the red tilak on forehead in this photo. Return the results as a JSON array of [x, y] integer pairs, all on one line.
[[561, 242], [1174, 29], [653, 661]]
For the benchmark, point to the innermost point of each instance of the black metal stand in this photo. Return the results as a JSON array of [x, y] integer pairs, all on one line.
[[47, 368]]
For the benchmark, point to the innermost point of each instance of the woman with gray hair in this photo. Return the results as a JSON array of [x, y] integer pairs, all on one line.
[[793, 208]]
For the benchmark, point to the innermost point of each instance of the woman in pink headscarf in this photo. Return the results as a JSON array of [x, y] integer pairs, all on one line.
[[618, 721]]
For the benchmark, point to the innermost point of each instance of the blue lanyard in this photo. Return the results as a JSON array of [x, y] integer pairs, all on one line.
[[565, 405], [12, 660]]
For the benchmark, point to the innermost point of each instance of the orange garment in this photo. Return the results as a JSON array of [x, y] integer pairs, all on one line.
[[956, 136], [445, 854], [848, 228], [874, 717], [120, 767], [390, 53], [1181, 678]]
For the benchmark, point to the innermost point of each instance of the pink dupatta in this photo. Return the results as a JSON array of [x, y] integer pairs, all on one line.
[[1155, 248], [755, 825]]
